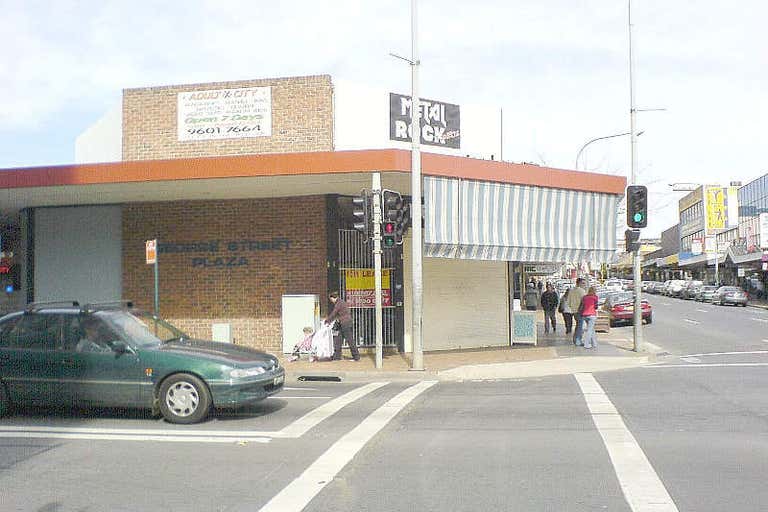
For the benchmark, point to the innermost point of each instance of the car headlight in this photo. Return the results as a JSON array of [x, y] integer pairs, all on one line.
[[246, 372]]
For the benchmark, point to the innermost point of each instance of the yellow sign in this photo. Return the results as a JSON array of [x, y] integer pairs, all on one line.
[[151, 251], [717, 211], [363, 279]]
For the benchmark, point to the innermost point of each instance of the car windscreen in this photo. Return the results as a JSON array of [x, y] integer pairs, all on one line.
[[141, 329]]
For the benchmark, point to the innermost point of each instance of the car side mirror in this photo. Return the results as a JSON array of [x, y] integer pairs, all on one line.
[[120, 347]]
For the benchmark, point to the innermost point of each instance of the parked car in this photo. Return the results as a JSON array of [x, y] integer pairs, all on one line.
[[614, 285], [621, 308], [730, 295], [689, 289], [706, 293], [112, 355], [675, 288], [664, 287]]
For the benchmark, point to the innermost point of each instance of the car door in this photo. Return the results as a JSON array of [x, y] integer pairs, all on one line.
[[93, 372], [30, 371]]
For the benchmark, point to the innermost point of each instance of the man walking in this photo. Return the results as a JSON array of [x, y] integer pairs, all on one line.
[[341, 313], [549, 302], [574, 303]]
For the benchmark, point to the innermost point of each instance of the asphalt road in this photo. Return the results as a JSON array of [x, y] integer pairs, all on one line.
[[689, 433]]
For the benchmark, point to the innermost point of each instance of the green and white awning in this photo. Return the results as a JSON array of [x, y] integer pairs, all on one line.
[[480, 220]]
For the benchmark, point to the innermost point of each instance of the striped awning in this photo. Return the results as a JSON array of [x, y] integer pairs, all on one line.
[[480, 220]]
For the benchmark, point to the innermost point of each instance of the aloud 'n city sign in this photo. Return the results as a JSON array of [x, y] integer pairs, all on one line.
[[219, 254]]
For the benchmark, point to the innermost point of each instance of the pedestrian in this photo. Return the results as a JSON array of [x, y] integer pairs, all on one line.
[[566, 311], [574, 303], [531, 297], [540, 285], [549, 302], [341, 313], [588, 312]]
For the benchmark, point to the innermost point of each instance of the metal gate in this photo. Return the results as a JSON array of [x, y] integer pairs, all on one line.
[[355, 253]]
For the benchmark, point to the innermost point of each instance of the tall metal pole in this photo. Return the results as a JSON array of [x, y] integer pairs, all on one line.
[[637, 327], [377, 268], [416, 204]]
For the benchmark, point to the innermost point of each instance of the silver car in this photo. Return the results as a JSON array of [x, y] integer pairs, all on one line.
[[730, 295]]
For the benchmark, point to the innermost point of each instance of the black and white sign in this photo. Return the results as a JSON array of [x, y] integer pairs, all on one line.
[[440, 122]]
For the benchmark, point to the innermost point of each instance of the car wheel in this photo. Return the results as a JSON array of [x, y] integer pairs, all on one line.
[[743, 305], [612, 323], [649, 320], [184, 399], [5, 401]]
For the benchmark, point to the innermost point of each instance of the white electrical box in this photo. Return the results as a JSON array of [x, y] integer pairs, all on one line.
[[299, 311], [221, 332]]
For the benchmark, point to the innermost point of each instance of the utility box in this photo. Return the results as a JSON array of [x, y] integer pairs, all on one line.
[[221, 332], [299, 311]]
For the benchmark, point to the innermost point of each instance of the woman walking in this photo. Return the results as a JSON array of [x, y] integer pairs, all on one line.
[[565, 310], [588, 312]]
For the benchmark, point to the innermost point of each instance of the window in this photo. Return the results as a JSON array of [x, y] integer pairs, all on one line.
[[36, 331], [86, 333], [5, 329]]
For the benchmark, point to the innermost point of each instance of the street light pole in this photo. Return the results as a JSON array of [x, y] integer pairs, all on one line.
[[578, 155], [637, 327], [416, 204]]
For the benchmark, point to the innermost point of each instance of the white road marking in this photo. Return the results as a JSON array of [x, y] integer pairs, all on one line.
[[726, 353], [299, 389], [763, 320], [691, 359], [765, 341], [704, 365], [694, 322], [702, 311], [297, 495], [292, 397], [666, 303], [295, 430], [642, 487], [129, 437]]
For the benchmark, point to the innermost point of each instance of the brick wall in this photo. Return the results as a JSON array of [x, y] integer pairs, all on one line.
[[248, 295], [302, 120]]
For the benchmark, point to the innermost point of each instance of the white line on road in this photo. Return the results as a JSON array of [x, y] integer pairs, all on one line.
[[694, 322], [642, 487], [702, 311], [691, 359], [765, 341], [299, 389], [763, 320], [130, 437], [295, 430], [666, 303], [297, 495], [704, 365], [292, 397], [727, 353]]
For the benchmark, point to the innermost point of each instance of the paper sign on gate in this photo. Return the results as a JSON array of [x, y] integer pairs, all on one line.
[[151, 251]]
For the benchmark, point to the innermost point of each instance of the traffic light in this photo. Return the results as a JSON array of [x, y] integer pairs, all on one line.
[[362, 209], [632, 239], [392, 218], [637, 206]]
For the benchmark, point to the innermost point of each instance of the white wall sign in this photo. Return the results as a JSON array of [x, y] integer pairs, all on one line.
[[741, 272], [696, 246], [224, 114], [764, 230]]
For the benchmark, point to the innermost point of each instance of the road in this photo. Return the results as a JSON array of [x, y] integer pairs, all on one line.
[[688, 433]]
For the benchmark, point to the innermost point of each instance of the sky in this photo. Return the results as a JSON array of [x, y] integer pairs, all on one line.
[[557, 68]]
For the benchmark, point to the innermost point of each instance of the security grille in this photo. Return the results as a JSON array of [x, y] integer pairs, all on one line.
[[355, 253]]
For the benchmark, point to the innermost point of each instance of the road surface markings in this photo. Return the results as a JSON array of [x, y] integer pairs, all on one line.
[[295, 430], [299, 389], [726, 353], [310, 397], [702, 311], [666, 303], [695, 322], [763, 320], [642, 487], [704, 365], [297, 495], [765, 341], [691, 359]]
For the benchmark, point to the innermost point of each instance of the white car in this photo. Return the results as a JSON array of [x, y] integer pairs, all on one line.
[[614, 286]]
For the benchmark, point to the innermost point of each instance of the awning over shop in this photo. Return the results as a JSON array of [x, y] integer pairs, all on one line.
[[670, 261], [470, 219]]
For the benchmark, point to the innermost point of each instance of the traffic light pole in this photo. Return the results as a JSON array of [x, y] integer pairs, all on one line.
[[417, 290], [637, 327], [377, 219]]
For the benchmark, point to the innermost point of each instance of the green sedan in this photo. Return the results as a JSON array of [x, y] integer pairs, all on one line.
[[111, 355]]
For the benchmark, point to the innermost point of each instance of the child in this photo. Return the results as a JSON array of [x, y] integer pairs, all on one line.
[[305, 345]]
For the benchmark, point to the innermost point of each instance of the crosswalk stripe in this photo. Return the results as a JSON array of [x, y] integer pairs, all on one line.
[[642, 487]]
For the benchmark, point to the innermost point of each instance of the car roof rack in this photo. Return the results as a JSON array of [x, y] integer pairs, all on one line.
[[36, 306], [114, 304]]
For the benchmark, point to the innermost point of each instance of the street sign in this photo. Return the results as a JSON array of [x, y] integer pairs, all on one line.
[[150, 249]]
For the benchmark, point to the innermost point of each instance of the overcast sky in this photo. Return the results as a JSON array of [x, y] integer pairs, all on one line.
[[558, 68]]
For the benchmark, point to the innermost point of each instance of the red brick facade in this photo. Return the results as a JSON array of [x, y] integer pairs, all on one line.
[[248, 253], [302, 120]]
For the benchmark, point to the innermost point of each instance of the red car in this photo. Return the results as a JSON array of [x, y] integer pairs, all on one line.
[[621, 308]]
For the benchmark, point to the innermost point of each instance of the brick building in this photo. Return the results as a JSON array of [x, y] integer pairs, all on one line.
[[242, 186]]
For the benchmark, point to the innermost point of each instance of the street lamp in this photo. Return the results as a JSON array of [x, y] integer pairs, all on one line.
[[578, 155]]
